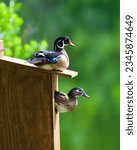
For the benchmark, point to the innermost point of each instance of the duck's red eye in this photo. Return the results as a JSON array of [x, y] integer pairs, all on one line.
[[66, 40]]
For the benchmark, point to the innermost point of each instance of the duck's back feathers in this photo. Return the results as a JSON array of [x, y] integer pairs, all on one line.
[[37, 60], [61, 96], [50, 60], [52, 54], [45, 57], [61, 102]]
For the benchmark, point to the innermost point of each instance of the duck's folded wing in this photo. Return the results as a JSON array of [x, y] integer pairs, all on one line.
[[60, 96], [37, 60], [50, 55], [45, 57]]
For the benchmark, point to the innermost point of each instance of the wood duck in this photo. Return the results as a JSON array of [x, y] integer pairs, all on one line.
[[68, 102], [56, 59]]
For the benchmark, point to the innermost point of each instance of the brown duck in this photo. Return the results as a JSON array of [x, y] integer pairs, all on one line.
[[68, 102]]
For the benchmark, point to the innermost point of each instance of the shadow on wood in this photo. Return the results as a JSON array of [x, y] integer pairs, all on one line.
[[27, 117]]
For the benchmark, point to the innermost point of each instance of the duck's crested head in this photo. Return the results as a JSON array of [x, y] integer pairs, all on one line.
[[61, 42], [77, 91]]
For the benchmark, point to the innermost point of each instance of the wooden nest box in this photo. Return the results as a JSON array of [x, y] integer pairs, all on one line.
[[28, 120]]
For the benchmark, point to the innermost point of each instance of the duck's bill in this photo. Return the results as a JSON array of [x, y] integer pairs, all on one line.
[[85, 95], [71, 44]]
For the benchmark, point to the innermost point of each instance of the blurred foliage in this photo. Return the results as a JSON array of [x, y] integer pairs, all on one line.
[[93, 25], [10, 32]]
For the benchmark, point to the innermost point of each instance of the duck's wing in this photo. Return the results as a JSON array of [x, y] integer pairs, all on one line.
[[48, 54], [52, 55], [45, 57], [38, 59], [60, 97]]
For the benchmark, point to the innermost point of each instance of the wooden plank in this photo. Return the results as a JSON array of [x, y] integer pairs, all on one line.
[[26, 108], [1, 49], [56, 126], [66, 73], [27, 115]]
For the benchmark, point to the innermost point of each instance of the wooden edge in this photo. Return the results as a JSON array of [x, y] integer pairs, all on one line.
[[56, 122], [1, 49], [66, 73]]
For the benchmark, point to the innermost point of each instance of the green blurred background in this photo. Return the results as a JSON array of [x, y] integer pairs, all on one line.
[[93, 25]]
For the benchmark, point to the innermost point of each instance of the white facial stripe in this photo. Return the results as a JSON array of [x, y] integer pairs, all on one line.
[[78, 90], [62, 44]]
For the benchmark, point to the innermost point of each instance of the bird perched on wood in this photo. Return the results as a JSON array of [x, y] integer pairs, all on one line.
[[56, 59], [68, 102]]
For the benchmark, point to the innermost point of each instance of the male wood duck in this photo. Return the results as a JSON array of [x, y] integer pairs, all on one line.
[[56, 59], [68, 102]]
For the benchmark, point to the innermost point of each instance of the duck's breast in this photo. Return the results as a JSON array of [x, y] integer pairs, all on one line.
[[62, 62]]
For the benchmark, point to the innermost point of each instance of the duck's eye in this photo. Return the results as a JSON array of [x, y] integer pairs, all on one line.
[[79, 90], [60, 43], [66, 41]]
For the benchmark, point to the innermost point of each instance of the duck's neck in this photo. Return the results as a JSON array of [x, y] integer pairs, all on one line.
[[65, 53], [73, 101], [57, 49], [72, 97]]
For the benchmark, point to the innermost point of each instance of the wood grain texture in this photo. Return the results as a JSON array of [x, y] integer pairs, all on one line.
[[26, 108], [28, 120], [66, 73], [56, 115]]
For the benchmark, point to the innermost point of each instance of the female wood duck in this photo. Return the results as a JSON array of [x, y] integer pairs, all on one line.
[[68, 102], [56, 59]]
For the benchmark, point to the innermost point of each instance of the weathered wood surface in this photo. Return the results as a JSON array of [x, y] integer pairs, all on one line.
[[14, 61], [55, 115], [28, 120], [26, 109]]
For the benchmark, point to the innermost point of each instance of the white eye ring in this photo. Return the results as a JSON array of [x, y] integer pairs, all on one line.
[[79, 90]]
